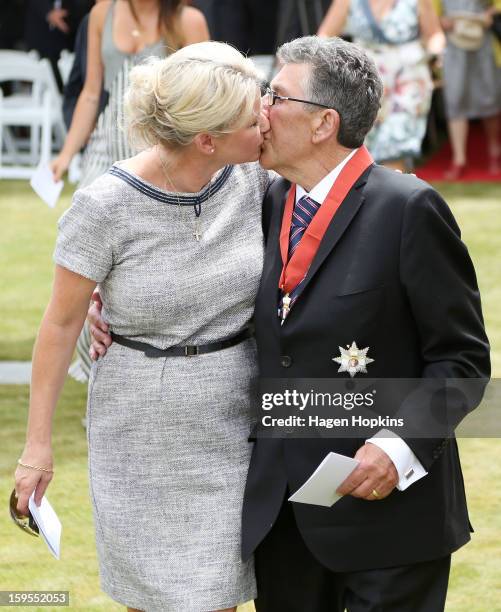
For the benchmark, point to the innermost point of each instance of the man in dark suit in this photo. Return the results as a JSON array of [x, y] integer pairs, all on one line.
[[248, 25], [51, 25], [389, 273]]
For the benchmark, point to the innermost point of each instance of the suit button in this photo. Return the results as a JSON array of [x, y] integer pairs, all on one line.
[[286, 361]]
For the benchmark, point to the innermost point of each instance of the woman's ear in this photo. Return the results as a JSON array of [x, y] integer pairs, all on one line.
[[325, 125], [205, 143]]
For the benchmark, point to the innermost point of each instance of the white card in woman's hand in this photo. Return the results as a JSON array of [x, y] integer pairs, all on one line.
[[48, 524], [42, 183]]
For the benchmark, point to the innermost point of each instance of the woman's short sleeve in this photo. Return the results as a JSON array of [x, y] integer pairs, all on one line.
[[84, 238]]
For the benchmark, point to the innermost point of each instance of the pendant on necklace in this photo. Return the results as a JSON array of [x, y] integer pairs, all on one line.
[[136, 33], [197, 226], [197, 232]]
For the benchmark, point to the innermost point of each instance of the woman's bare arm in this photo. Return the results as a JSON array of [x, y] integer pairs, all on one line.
[[61, 325], [431, 30], [194, 26], [335, 20]]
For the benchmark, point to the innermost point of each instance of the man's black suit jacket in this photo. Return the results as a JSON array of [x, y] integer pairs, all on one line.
[[392, 274]]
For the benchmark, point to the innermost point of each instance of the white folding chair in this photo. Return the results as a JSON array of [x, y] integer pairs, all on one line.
[[18, 56], [35, 103]]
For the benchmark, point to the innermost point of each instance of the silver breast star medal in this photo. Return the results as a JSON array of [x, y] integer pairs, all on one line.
[[353, 360]]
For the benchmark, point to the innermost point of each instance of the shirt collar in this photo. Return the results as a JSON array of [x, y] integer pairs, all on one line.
[[320, 191]]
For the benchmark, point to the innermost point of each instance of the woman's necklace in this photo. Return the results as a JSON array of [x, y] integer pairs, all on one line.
[[197, 226]]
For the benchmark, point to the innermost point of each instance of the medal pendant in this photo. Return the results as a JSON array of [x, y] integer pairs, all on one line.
[[286, 306]]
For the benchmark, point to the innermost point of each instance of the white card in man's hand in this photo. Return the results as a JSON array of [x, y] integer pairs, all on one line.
[[48, 524], [320, 488], [44, 186]]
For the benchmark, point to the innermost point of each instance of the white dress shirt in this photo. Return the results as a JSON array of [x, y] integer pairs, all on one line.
[[408, 466]]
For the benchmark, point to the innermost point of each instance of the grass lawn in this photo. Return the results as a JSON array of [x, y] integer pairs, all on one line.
[[28, 234]]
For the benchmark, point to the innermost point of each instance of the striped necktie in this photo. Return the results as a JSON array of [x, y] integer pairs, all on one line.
[[304, 211]]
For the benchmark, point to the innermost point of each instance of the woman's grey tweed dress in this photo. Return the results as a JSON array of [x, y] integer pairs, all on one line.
[[168, 450]]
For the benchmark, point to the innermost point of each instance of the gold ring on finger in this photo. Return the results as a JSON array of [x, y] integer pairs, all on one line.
[[375, 493]]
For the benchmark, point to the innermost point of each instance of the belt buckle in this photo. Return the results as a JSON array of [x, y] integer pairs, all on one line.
[[191, 351]]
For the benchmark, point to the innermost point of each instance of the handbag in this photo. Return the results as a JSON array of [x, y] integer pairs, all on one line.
[[467, 33]]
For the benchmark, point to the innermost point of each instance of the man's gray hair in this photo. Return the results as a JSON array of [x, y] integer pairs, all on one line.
[[342, 77]]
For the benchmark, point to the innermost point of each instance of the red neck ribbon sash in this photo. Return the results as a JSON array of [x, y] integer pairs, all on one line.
[[294, 270]]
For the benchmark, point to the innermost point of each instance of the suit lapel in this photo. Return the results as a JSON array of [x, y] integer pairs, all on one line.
[[268, 294], [344, 216]]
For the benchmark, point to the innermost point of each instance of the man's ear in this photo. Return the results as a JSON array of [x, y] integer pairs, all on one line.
[[205, 143], [325, 126]]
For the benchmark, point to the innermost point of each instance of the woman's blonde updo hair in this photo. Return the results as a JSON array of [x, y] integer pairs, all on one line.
[[206, 87]]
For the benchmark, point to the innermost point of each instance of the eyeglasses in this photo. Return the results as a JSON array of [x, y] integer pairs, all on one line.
[[26, 523], [272, 97]]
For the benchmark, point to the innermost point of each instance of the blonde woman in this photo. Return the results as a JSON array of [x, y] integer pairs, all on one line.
[[173, 237]]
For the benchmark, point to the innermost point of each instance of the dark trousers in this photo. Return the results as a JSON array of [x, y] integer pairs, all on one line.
[[290, 579]]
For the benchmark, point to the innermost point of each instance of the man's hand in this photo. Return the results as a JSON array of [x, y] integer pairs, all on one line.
[[99, 329], [376, 472], [55, 17]]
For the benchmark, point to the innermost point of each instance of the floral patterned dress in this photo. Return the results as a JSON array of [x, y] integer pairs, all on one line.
[[394, 44]]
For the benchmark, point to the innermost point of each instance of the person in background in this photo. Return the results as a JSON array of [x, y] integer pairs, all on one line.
[[51, 25], [391, 32], [74, 85], [173, 236], [12, 24], [248, 25], [472, 79], [121, 34]]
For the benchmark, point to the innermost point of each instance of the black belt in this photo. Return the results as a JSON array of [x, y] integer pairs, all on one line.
[[182, 351]]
